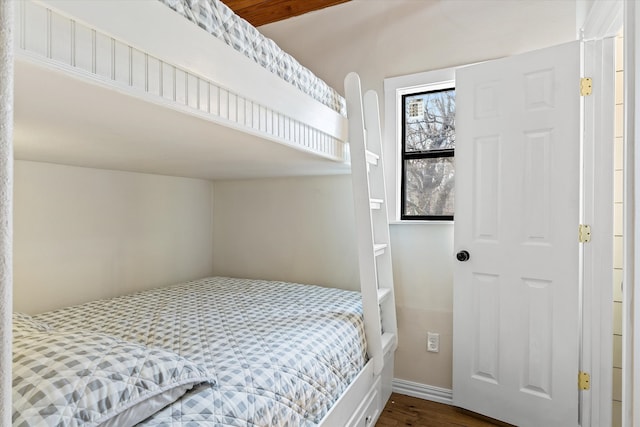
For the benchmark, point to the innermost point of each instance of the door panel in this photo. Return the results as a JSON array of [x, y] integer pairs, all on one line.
[[517, 213]]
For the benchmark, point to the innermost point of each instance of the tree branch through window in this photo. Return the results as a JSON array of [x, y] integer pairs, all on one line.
[[428, 143]]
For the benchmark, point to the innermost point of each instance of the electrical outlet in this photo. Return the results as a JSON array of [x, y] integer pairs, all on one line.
[[433, 342]]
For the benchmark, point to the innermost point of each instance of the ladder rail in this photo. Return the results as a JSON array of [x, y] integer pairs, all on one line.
[[380, 219], [364, 230], [372, 226]]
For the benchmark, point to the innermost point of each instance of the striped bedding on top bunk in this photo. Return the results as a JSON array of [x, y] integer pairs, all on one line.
[[220, 21], [277, 353]]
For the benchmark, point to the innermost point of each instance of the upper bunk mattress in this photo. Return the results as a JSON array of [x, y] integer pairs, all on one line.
[[280, 353], [220, 21]]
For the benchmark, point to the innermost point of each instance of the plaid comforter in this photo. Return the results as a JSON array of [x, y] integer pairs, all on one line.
[[281, 353]]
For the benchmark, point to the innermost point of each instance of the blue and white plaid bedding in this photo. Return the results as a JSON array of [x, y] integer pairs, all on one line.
[[220, 21], [84, 378], [281, 353]]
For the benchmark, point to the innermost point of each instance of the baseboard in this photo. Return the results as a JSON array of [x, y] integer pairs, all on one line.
[[423, 391]]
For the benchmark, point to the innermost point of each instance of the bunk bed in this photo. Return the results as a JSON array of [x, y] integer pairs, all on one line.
[[181, 97], [86, 69]]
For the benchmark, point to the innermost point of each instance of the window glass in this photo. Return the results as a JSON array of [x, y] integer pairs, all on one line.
[[429, 186], [430, 121], [428, 143]]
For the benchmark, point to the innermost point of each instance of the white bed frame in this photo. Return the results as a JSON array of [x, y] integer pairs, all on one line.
[[100, 44]]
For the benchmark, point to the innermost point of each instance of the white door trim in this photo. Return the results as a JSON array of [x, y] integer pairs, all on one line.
[[597, 211], [631, 231], [603, 21]]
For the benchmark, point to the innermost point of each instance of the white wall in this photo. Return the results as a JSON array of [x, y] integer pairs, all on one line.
[[295, 229], [82, 234], [379, 39], [387, 38]]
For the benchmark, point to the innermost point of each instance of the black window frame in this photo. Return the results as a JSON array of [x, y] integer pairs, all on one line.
[[426, 154]]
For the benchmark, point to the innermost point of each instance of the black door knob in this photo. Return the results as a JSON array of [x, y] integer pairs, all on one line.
[[463, 256]]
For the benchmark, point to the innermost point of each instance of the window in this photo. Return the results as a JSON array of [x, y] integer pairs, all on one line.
[[407, 99], [428, 141]]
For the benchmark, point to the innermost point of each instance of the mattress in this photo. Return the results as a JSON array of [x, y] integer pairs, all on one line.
[[277, 353], [218, 20]]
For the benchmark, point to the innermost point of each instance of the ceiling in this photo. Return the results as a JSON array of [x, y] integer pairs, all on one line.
[[261, 12]]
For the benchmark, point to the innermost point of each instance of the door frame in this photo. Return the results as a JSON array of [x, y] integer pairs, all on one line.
[[597, 211], [631, 229], [602, 22]]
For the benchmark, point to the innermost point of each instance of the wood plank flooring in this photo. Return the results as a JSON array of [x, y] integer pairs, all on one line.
[[410, 411]]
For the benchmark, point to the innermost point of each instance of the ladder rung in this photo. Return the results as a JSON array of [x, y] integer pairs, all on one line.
[[376, 203], [388, 341], [372, 157], [383, 294], [378, 248]]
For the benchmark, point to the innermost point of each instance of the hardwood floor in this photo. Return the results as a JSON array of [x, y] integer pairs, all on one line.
[[410, 411]]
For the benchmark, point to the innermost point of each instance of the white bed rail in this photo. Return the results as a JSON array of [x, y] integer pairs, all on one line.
[[102, 41], [6, 207]]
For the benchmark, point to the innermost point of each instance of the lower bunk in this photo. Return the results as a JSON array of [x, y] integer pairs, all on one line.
[[212, 352]]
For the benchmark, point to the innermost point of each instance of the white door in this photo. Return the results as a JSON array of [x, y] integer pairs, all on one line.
[[516, 316]]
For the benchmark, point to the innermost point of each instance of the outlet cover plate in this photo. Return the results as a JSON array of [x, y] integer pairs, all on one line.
[[433, 342]]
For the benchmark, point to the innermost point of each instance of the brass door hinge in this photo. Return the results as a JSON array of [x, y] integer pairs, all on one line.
[[586, 86], [584, 233], [584, 381]]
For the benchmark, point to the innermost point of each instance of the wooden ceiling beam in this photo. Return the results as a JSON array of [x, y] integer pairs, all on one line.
[[261, 12], [244, 4]]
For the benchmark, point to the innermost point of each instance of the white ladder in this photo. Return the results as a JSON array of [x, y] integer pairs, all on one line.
[[372, 223]]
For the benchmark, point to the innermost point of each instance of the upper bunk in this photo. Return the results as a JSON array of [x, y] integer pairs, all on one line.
[[156, 86]]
